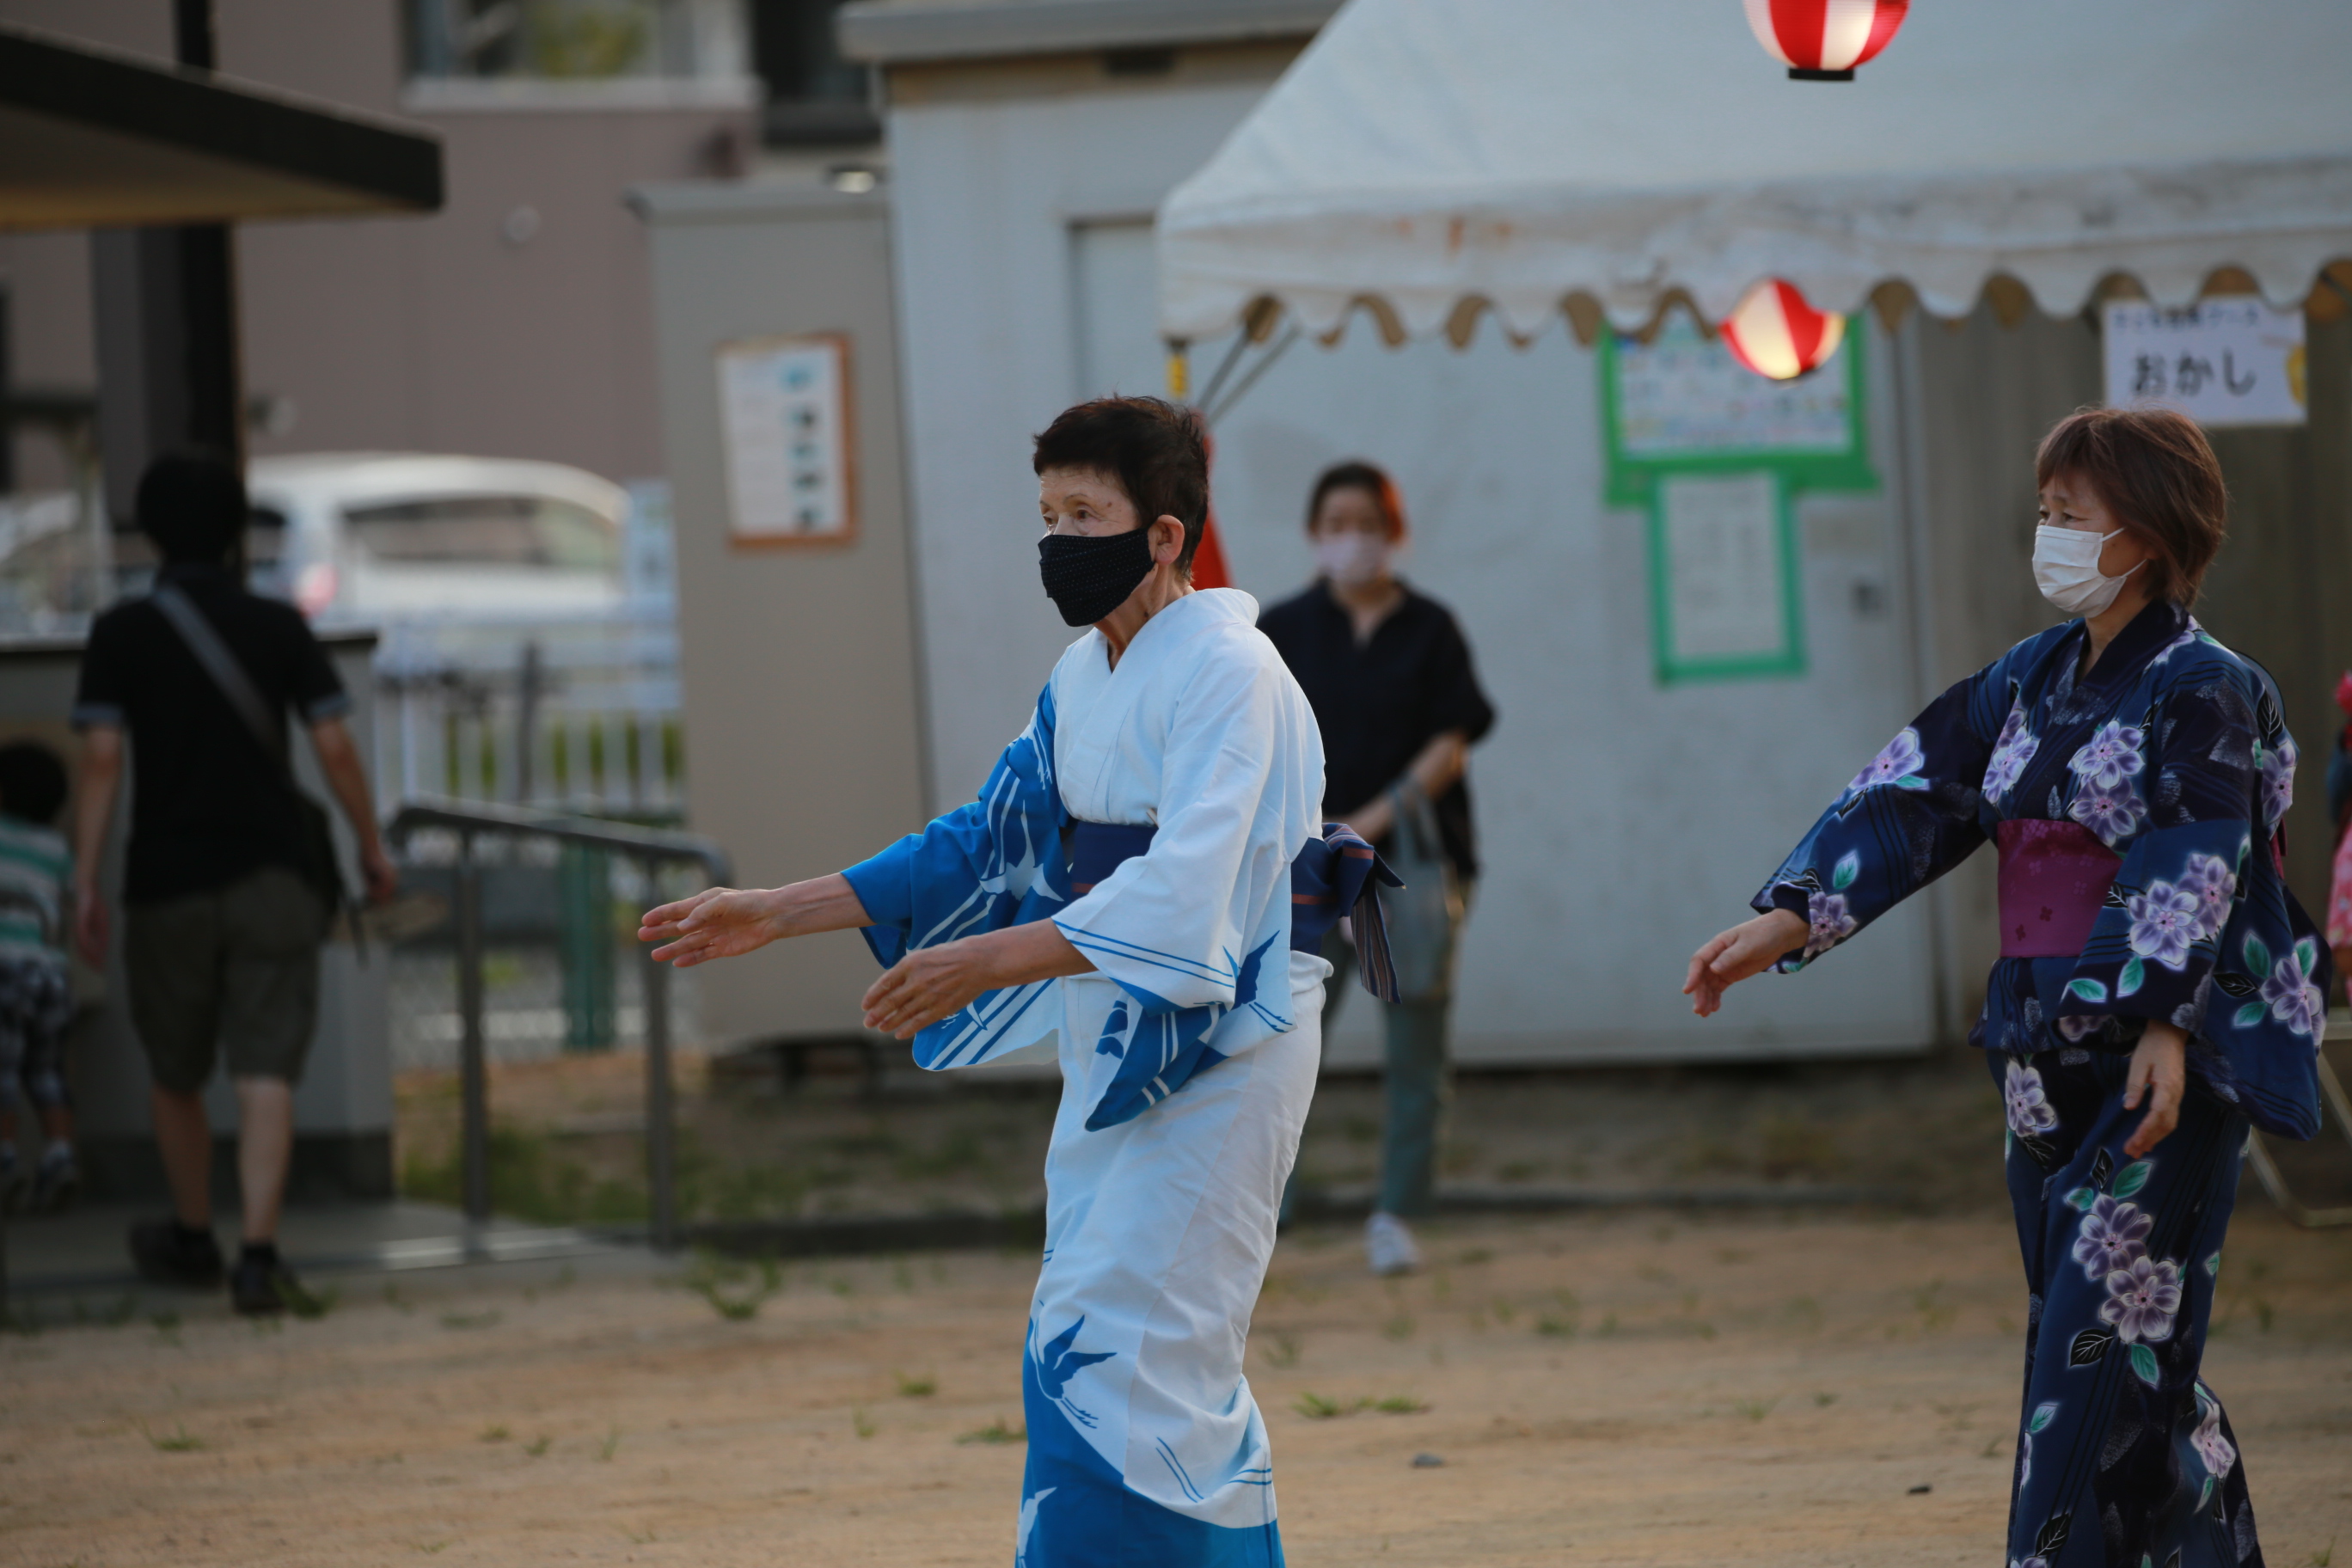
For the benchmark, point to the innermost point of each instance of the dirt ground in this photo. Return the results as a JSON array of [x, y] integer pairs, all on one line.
[[1629, 1388]]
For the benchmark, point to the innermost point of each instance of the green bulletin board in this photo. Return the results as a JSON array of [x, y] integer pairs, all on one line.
[[1716, 455]]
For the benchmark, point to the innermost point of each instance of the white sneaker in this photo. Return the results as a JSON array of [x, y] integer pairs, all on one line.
[[1388, 1245]]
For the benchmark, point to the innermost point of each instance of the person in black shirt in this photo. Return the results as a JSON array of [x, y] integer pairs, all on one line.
[[222, 929], [1389, 679]]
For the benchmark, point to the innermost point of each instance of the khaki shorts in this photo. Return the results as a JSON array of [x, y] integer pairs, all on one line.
[[237, 966]]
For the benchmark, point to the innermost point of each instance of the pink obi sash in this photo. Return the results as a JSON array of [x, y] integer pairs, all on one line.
[[2055, 878]]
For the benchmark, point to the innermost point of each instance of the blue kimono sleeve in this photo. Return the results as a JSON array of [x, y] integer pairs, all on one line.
[[2182, 883], [994, 863], [1908, 817]]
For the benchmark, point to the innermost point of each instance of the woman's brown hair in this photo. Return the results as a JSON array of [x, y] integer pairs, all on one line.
[[1357, 475], [2157, 472]]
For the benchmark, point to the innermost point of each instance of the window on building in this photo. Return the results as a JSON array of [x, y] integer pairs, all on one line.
[[576, 40], [816, 98]]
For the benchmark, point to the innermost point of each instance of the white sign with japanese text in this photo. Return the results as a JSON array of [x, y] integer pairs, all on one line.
[[783, 413], [2226, 361]]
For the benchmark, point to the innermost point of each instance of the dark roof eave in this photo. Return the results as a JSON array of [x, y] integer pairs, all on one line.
[[389, 167]]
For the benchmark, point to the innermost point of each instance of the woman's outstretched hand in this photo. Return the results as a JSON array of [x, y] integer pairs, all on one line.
[[1748, 948], [727, 922]]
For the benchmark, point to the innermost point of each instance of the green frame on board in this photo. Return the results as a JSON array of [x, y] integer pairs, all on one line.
[[1633, 481], [1788, 660]]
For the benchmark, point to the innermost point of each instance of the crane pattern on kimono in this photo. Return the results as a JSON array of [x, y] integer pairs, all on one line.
[[1058, 1362]]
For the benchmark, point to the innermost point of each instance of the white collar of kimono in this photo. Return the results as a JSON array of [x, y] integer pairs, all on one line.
[[1200, 609]]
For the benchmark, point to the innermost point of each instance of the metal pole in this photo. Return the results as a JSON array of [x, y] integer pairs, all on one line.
[[473, 1064], [661, 1172]]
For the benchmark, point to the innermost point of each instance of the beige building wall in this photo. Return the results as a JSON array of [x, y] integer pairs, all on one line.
[[515, 322], [798, 662]]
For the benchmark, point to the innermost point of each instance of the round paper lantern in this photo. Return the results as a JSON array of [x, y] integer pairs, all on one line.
[[1823, 40], [1774, 333]]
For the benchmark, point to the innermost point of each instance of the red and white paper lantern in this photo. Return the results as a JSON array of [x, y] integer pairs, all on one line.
[[1775, 333], [1823, 40]]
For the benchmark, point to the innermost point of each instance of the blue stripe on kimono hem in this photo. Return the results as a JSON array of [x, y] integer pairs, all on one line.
[[1076, 1511]]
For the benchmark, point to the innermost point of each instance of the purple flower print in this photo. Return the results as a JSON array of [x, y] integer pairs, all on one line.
[[2110, 756], [2278, 781], [2293, 1000], [2142, 1301], [1832, 923], [2209, 879], [2030, 1111], [2164, 920], [2113, 1238], [1901, 759], [2076, 1029], [2011, 752], [2115, 815], [2221, 1456]]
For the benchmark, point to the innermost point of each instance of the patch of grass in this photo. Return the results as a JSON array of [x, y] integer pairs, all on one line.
[[1793, 1146], [431, 1548], [1556, 1328], [1315, 1407], [178, 1441], [533, 1178], [1755, 1409], [995, 1431], [2325, 1555], [859, 1423], [538, 1445], [726, 1285], [498, 1434], [1399, 1404], [489, 1319], [1503, 1312], [921, 1388], [1476, 1255], [1823, 1400], [1283, 1353], [1609, 1323], [609, 1446], [393, 1298]]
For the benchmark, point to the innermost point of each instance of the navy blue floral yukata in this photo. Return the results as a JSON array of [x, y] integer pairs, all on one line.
[[2173, 753]]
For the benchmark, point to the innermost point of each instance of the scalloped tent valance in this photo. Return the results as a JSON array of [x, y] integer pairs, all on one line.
[[1429, 162]]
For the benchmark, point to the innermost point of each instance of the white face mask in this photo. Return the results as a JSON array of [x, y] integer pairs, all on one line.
[[2066, 569], [1351, 559]]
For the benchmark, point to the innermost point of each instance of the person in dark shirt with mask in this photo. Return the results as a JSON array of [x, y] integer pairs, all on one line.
[[1389, 678]]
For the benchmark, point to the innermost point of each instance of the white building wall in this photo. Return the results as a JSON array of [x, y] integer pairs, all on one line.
[[1622, 822]]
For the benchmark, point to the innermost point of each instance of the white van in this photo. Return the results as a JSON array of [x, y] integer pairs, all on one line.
[[372, 537]]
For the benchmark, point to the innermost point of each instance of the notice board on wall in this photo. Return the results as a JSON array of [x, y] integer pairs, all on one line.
[[1716, 454], [783, 417]]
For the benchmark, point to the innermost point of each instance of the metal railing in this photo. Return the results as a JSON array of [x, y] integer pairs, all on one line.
[[653, 849]]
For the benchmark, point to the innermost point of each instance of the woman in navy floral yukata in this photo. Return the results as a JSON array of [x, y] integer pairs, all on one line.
[[2133, 772]]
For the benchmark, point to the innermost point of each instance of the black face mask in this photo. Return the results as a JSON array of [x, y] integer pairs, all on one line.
[[1088, 577]]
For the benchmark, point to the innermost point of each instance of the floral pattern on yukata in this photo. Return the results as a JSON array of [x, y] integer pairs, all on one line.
[[2122, 1440], [2173, 751]]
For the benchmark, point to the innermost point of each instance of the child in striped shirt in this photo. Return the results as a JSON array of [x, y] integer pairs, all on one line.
[[36, 988]]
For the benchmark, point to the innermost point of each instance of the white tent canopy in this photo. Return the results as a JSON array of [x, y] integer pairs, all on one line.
[[1540, 154]]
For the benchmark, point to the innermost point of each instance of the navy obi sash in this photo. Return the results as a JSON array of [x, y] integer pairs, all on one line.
[[1338, 873]]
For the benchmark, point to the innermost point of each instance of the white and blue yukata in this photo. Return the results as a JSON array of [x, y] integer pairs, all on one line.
[[1165, 815]]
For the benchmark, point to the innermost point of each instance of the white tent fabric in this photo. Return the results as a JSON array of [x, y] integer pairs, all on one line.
[[1423, 153]]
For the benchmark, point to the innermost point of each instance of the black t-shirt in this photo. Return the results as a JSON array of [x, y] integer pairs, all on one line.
[[1379, 703], [208, 805]]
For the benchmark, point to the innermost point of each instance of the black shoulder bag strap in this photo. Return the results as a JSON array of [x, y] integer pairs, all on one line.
[[320, 868]]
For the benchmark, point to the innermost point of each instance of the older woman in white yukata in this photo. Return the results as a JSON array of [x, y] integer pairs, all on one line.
[[1145, 877]]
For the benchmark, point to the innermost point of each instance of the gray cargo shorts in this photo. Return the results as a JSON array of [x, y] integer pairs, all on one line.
[[234, 967]]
